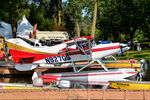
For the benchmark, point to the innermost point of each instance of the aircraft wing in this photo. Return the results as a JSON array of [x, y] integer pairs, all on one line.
[[70, 43]]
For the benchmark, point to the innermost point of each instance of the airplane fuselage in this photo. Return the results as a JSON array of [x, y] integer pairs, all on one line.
[[23, 52]]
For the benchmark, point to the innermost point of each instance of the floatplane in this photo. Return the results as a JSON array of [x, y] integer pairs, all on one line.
[[27, 56]]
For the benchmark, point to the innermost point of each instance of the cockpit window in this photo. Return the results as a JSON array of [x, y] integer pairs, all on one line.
[[37, 45], [28, 41]]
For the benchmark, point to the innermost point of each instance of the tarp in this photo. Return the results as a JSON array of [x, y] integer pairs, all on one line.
[[24, 27], [5, 30]]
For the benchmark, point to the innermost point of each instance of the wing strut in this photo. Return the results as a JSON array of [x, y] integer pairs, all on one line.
[[75, 69], [82, 50], [85, 66], [113, 57], [102, 65], [90, 58]]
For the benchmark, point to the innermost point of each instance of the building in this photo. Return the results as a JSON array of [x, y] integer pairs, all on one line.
[[52, 37], [48, 35]]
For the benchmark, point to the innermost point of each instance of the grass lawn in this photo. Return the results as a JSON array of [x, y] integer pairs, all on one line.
[[133, 54]]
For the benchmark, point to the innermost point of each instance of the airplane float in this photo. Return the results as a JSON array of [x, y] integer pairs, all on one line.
[[27, 55]]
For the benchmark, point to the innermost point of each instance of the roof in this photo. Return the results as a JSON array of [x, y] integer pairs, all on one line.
[[52, 35]]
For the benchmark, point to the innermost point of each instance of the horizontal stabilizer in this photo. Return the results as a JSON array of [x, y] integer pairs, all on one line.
[[25, 67], [26, 60], [49, 78]]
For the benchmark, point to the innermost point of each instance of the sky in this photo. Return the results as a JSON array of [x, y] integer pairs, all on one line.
[[64, 0]]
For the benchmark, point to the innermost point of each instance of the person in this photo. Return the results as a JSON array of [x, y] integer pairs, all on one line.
[[2, 54], [30, 35], [129, 43], [138, 47]]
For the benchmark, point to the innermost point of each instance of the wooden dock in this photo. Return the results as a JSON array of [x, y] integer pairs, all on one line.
[[7, 67], [75, 94]]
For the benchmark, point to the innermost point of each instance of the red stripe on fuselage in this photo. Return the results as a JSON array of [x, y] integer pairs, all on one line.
[[95, 50], [106, 48], [18, 55]]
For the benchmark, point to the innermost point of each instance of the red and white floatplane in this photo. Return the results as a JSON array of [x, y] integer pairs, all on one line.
[[27, 55]]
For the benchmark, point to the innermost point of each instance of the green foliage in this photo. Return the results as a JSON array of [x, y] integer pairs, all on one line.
[[40, 14], [74, 8], [73, 11], [12, 10], [139, 35], [121, 19], [108, 20], [117, 20]]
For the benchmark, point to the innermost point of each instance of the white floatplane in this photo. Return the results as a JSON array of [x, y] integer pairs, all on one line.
[[28, 56]]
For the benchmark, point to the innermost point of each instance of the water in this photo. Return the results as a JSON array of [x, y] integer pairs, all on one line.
[[16, 80]]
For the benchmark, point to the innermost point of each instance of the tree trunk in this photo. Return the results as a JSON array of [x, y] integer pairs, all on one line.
[[115, 36], [55, 20], [119, 37], [78, 28], [14, 31], [94, 19], [131, 36], [59, 12]]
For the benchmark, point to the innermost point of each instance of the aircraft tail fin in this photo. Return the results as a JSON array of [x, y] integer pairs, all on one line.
[[34, 31], [36, 75], [21, 57]]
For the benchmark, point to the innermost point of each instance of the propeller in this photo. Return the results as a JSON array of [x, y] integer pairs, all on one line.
[[143, 68]]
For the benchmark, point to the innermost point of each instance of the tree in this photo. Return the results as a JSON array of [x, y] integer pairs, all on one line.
[[42, 13], [12, 11], [55, 11], [74, 10], [117, 18], [59, 12], [94, 18], [133, 14], [108, 21]]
